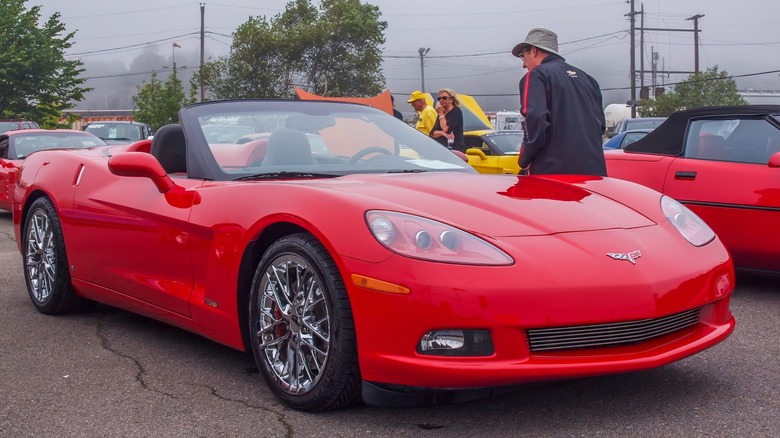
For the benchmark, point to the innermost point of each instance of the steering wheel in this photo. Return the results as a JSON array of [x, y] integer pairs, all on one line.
[[369, 150]]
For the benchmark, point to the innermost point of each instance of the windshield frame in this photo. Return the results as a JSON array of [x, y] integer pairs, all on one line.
[[312, 118]]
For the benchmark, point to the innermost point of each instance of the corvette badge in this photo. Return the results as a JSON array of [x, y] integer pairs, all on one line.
[[631, 256]]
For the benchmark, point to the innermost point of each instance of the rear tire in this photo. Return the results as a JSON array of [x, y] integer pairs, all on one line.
[[301, 327], [46, 263]]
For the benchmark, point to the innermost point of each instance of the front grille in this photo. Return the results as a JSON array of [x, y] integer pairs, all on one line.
[[611, 334]]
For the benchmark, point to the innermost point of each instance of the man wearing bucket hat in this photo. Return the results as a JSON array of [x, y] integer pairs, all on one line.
[[426, 114], [562, 105]]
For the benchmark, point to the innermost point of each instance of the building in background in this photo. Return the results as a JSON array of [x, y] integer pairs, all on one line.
[[761, 97], [86, 116]]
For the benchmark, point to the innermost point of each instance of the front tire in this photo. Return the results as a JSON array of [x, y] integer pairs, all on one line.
[[46, 263], [301, 327]]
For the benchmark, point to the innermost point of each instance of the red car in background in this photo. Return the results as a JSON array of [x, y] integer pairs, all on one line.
[[16, 145], [724, 164], [13, 125]]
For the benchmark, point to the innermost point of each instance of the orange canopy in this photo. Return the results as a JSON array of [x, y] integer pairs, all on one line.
[[381, 101]]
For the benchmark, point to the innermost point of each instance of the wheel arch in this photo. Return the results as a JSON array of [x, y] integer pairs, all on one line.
[[28, 202], [249, 260]]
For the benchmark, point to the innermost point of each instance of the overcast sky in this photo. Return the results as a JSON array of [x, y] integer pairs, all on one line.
[[122, 42]]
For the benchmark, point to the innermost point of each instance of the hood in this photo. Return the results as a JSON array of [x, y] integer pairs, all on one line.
[[499, 206], [473, 116]]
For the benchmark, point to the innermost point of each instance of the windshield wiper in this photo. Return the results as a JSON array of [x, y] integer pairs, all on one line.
[[286, 174], [407, 171], [114, 139]]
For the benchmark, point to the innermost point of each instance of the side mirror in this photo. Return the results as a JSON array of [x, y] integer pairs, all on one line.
[[774, 160], [476, 152], [140, 164]]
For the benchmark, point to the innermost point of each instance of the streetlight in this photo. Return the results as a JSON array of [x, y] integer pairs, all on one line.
[[173, 57], [423, 51]]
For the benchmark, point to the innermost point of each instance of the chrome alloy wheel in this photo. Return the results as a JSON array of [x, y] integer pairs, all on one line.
[[294, 327], [41, 256]]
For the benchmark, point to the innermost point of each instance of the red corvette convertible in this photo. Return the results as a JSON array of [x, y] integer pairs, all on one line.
[[16, 145], [724, 164], [356, 259]]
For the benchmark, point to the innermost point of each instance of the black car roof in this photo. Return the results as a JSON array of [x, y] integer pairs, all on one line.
[[669, 137]]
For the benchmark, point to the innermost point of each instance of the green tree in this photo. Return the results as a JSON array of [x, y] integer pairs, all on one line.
[[709, 88], [157, 103], [333, 50], [36, 81], [345, 55]]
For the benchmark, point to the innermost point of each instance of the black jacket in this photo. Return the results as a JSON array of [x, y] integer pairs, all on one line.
[[564, 120]]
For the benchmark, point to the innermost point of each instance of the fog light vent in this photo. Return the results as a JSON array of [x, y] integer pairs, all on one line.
[[456, 343]]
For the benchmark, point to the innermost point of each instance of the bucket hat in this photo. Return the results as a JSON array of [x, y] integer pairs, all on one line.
[[541, 38]]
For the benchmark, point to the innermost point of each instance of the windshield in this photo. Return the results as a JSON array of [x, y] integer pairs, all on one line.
[[8, 126], [116, 132], [23, 145], [642, 124], [322, 138], [508, 143]]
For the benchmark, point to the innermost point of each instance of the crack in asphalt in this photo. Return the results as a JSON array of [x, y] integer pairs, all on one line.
[[104, 343], [139, 377], [280, 417], [9, 236]]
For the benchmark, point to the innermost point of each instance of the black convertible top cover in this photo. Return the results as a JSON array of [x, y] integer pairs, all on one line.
[[669, 137]]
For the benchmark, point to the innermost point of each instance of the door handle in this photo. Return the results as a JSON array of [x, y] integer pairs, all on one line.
[[685, 174]]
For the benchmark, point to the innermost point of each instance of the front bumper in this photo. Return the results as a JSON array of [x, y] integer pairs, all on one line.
[[508, 301]]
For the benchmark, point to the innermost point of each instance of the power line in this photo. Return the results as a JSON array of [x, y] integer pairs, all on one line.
[[627, 88], [135, 11]]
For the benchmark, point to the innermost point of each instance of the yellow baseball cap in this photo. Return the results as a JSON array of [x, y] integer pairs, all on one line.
[[417, 94]]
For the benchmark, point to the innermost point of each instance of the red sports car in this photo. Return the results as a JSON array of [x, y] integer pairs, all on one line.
[[380, 267], [16, 145], [724, 164]]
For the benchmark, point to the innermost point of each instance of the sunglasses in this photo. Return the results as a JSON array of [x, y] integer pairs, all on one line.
[[443, 97]]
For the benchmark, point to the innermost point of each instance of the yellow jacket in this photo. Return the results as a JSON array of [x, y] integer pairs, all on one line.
[[427, 119]]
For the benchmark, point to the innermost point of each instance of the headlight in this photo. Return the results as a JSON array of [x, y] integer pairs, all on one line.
[[687, 223], [420, 238]]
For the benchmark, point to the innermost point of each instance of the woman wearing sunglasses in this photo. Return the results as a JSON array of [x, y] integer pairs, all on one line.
[[448, 129]]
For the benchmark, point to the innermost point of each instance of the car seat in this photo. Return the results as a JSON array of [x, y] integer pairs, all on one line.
[[711, 147], [170, 148], [288, 147]]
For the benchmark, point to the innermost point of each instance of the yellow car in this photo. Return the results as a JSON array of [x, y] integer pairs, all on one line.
[[490, 151]]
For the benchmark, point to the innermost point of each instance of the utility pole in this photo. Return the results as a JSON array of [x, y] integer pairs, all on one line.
[[641, 49], [202, 45], [633, 101], [695, 19], [654, 61], [423, 51], [695, 30], [174, 46]]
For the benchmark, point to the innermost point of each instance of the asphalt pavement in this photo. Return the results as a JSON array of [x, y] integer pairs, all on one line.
[[110, 373]]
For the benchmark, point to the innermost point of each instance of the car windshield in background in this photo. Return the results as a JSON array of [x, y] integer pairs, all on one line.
[[225, 133], [25, 144], [318, 138], [8, 126], [635, 124], [116, 132], [509, 144]]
